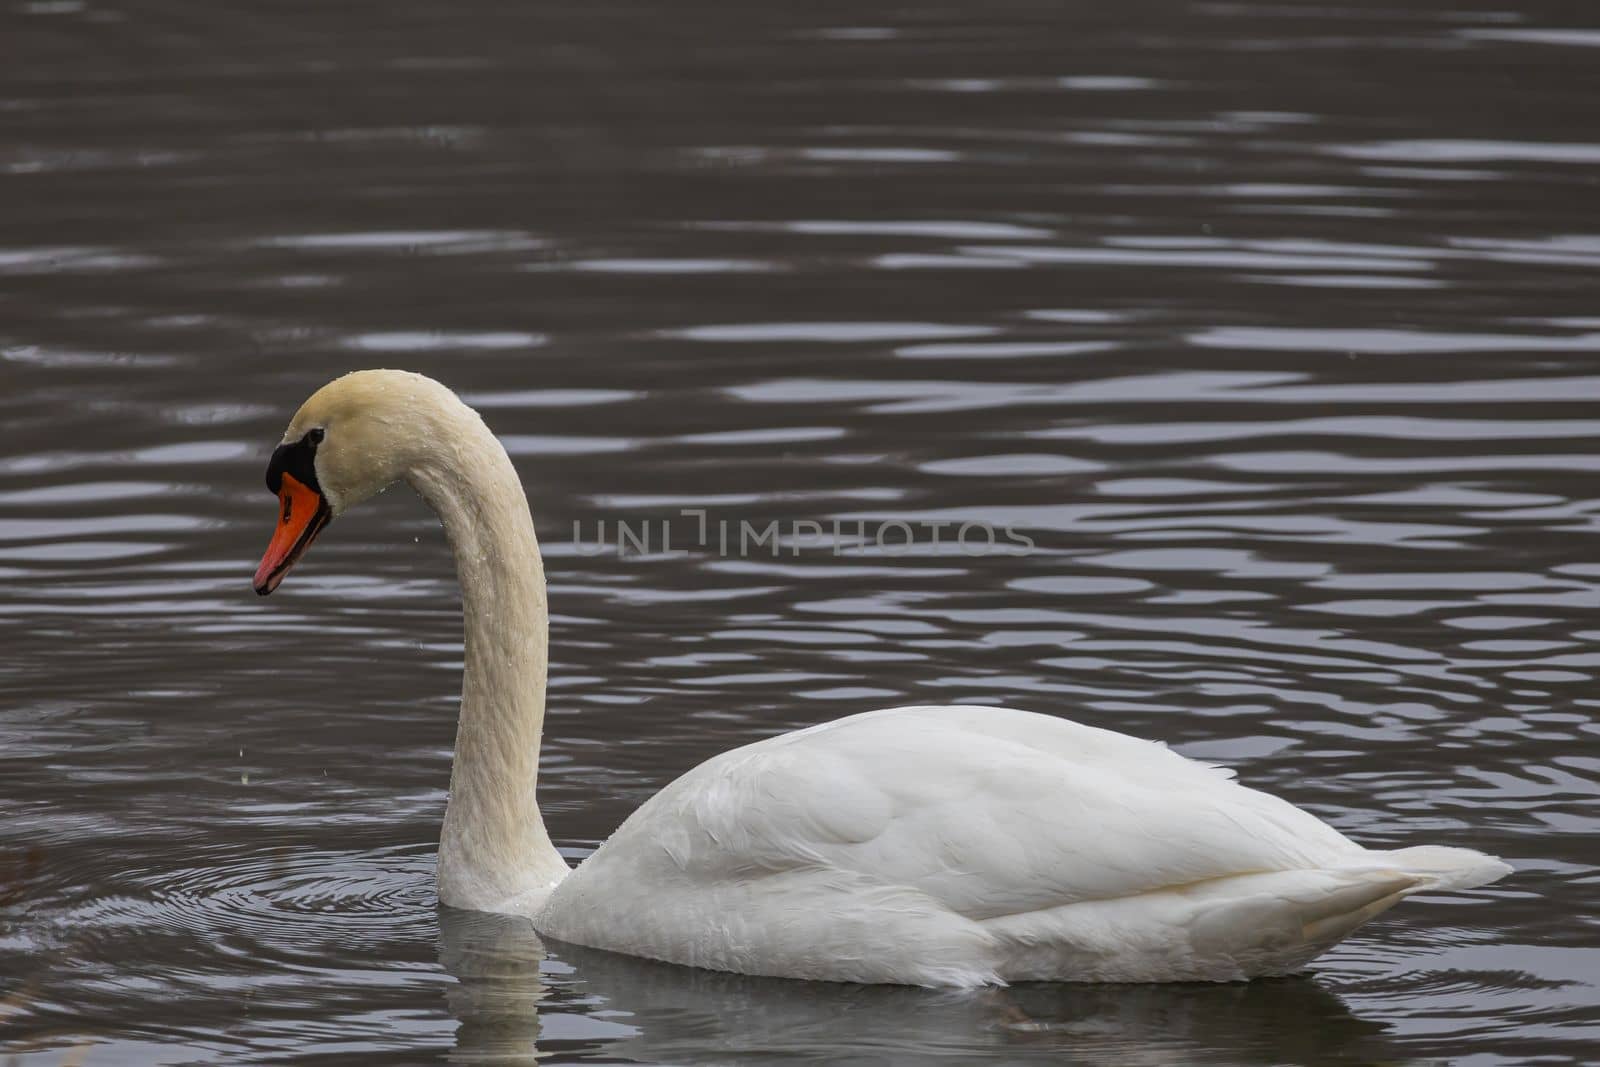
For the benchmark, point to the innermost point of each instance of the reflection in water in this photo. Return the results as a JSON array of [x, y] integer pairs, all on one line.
[[498, 962], [675, 1014]]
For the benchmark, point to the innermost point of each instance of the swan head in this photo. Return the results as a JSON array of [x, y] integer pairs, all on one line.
[[352, 439]]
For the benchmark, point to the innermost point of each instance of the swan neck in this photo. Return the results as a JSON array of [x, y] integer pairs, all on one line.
[[494, 851]]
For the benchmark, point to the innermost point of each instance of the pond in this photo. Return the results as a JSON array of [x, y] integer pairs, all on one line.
[[1270, 327]]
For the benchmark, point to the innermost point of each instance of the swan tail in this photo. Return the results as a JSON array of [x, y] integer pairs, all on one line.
[[1439, 866], [1378, 880], [1332, 914]]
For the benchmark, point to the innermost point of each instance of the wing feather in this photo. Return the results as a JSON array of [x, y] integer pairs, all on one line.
[[990, 811]]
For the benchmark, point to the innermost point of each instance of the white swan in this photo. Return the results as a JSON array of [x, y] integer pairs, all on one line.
[[936, 846]]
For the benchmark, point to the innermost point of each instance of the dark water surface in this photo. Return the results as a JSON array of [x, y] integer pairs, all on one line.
[[1274, 326]]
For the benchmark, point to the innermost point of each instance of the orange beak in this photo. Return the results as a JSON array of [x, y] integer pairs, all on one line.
[[302, 513]]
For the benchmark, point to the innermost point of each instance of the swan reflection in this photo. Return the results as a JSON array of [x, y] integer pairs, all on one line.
[[519, 1001]]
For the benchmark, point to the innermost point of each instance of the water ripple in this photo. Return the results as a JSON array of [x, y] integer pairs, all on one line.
[[1261, 323]]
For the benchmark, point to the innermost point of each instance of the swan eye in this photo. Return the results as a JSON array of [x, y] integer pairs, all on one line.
[[297, 458]]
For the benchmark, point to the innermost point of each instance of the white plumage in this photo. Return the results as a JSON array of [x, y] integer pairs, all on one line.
[[937, 846], [972, 845]]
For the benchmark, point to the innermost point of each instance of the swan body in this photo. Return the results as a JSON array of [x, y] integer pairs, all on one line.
[[977, 845], [936, 846]]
